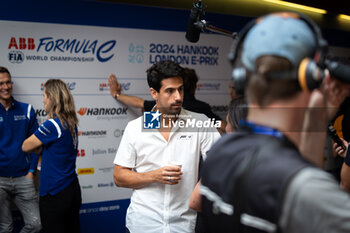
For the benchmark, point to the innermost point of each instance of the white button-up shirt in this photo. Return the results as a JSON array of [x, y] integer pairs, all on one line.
[[162, 208]]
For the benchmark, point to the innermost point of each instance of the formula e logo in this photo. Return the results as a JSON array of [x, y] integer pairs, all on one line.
[[16, 57], [151, 120], [71, 86], [102, 50]]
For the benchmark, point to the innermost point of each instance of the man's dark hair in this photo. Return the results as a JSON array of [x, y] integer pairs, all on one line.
[[4, 70], [163, 70], [190, 81], [237, 111]]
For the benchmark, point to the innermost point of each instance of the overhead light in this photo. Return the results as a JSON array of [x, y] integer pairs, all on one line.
[[298, 6], [346, 17]]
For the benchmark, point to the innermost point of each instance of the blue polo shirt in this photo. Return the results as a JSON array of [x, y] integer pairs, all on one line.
[[58, 158], [16, 124]]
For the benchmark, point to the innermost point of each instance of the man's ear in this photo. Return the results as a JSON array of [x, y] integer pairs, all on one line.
[[154, 93]]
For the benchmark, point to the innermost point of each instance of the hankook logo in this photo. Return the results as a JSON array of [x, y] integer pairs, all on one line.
[[102, 111], [40, 113], [97, 133]]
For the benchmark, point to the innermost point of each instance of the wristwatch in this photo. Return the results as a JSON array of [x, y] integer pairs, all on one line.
[[117, 95]]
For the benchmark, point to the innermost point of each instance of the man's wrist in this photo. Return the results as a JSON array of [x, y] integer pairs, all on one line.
[[32, 171], [116, 95]]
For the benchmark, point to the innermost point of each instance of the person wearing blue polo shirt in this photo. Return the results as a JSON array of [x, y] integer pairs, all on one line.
[[17, 169], [60, 194]]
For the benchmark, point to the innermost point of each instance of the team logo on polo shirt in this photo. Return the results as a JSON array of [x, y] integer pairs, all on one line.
[[19, 117], [151, 120], [1, 119]]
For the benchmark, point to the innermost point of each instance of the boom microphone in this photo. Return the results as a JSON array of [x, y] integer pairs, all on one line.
[[193, 32], [315, 74], [338, 71]]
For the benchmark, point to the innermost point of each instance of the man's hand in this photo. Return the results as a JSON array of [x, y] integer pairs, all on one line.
[[125, 177], [339, 150], [167, 175], [30, 175], [114, 86]]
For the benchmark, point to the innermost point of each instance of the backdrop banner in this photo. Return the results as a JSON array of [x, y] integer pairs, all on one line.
[[83, 57]]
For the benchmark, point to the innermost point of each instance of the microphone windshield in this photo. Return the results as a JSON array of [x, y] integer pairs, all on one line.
[[339, 71], [193, 32]]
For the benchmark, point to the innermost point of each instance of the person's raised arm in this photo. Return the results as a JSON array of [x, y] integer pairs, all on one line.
[[322, 107], [115, 90]]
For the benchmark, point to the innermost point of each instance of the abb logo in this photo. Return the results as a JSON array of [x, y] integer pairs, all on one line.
[[22, 43], [81, 153]]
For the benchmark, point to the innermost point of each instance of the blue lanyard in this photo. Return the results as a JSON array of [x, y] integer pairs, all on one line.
[[260, 129]]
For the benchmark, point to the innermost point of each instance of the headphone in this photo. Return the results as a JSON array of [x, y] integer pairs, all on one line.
[[310, 71]]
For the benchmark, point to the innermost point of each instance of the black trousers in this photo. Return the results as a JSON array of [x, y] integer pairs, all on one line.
[[60, 213]]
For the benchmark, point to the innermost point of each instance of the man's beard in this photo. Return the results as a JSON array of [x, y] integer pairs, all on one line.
[[173, 111]]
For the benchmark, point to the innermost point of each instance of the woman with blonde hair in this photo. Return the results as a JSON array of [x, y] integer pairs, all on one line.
[[60, 194]]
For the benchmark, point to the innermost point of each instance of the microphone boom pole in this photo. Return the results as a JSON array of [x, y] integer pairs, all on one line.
[[196, 24], [204, 25]]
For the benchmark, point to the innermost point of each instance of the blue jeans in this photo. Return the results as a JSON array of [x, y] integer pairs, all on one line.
[[21, 191]]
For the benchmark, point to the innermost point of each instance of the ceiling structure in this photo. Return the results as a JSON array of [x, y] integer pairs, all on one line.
[[332, 6], [234, 6], [254, 8]]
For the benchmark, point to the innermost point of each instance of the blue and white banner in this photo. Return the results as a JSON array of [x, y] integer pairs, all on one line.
[[83, 57]]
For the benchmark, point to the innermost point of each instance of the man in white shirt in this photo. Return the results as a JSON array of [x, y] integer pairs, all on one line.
[[161, 194]]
